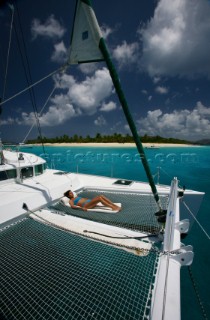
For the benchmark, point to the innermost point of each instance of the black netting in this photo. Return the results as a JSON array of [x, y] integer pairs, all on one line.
[[51, 274], [138, 211]]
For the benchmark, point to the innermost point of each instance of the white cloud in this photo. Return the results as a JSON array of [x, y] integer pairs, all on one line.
[[161, 90], [60, 53], [89, 94], [7, 121], [106, 107], [63, 81], [57, 115], [144, 92], [156, 79], [100, 121], [59, 112], [51, 28], [106, 31], [126, 54], [182, 124], [88, 68], [74, 99], [175, 39], [202, 109]]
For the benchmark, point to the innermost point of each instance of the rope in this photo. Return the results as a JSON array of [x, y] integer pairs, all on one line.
[[204, 231], [62, 228], [127, 237], [197, 293]]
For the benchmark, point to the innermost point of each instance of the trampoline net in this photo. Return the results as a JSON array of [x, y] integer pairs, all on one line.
[[47, 273], [137, 210]]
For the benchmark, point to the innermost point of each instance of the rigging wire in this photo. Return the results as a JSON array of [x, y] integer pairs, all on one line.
[[26, 67], [40, 113], [8, 52], [202, 228], [34, 84], [28, 74]]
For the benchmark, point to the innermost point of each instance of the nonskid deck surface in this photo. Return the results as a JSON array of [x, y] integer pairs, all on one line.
[[138, 211], [47, 273]]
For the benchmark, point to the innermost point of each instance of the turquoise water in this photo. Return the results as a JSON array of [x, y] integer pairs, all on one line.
[[192, 167]]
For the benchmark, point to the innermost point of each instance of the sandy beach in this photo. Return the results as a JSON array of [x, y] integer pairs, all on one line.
[[120, 145]]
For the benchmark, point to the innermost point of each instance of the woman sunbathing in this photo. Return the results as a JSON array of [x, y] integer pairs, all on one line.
[[75, 201]]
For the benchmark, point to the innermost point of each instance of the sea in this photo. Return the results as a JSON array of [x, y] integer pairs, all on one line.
[[191, 165]]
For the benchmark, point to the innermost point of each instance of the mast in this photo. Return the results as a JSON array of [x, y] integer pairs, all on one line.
[[87, 39]]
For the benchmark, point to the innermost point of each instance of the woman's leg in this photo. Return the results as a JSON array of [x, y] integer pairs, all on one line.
[[106, 199], [103, 200]]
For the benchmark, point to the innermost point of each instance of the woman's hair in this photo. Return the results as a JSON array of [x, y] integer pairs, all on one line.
[[66, 194]]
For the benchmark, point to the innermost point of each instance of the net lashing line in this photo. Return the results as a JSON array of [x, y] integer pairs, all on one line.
[[51, 274], [137, 210]]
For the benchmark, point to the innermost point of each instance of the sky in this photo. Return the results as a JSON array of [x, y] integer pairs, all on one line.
[[161, 51]]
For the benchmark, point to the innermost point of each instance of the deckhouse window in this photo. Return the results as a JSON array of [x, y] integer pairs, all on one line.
[[8, 174], [27, 172], [38, 169]]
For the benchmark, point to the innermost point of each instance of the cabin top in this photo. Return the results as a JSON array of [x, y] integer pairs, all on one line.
[[20, 165]]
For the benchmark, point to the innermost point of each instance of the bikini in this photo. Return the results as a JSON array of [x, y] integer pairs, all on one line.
[[88, 200], [78, 199]]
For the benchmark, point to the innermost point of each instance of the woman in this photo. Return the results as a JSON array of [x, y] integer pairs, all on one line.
[[75, 201]]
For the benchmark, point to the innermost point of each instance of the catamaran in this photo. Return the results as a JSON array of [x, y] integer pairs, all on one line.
[[62, 263]]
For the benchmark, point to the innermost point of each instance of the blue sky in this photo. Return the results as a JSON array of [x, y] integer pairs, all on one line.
[[161, 51]]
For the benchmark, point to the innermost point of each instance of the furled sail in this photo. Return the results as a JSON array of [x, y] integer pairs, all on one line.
[[86, 35]]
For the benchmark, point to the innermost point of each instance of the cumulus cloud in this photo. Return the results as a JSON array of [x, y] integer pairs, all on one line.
[[106, 31], [100, 121], [7, 121], [202, 109], [126, 54], [59, 112], [161, 90], [106, 107], [89, 94], [182, 124], [51, 28], [60, 53], [74, 99], [144, 92], [63, 81], [88, 68], [175, 39], [156, 79]]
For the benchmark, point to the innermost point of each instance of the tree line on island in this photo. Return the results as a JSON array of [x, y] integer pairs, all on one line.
[[116, 137]]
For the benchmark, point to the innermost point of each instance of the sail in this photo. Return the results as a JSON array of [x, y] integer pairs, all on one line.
[[85, 36]]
